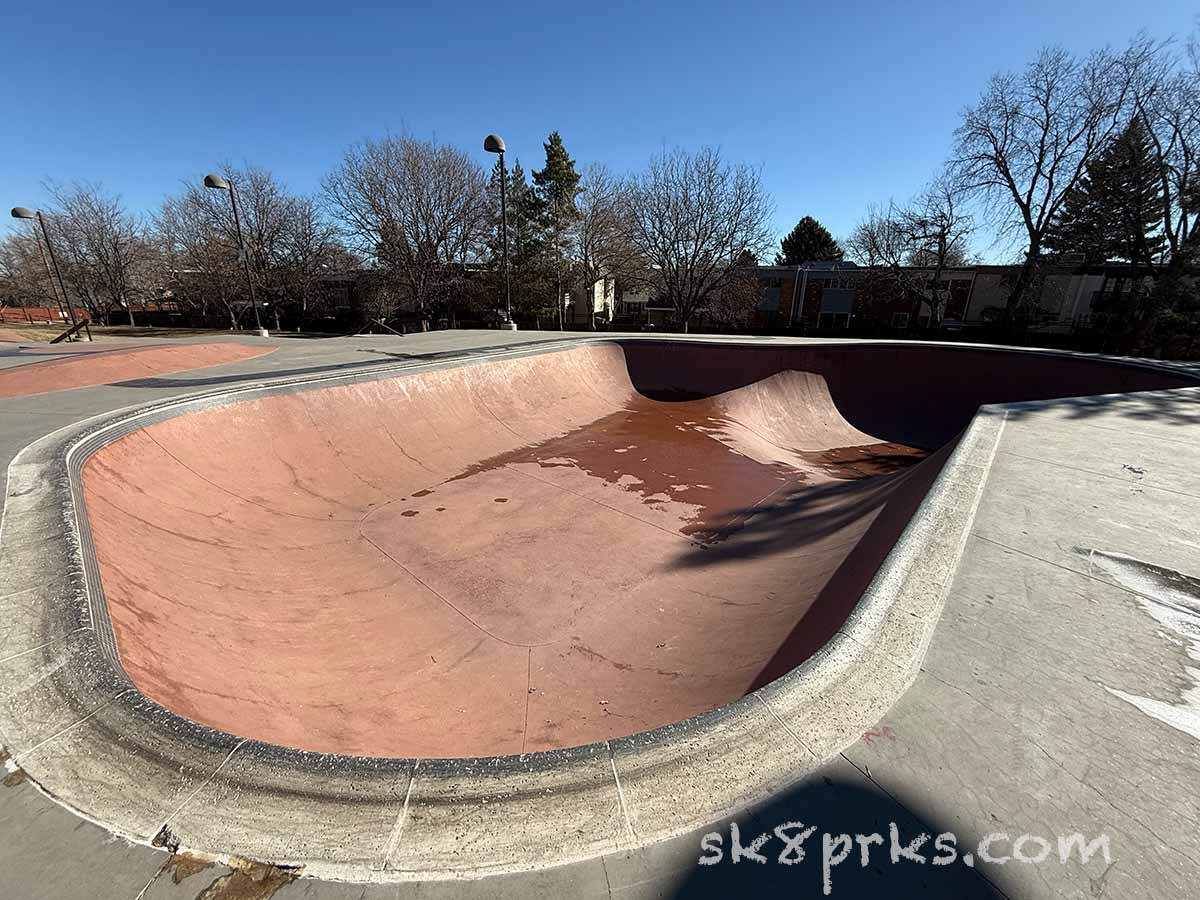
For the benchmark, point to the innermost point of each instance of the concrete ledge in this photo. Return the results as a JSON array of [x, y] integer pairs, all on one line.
[[73, 721]]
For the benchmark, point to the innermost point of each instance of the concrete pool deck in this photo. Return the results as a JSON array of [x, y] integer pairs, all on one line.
[[967, 747]]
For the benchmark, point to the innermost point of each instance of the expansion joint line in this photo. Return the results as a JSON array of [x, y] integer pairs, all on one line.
[[612, 762], [207, 781], [75, 724], [393, 841]]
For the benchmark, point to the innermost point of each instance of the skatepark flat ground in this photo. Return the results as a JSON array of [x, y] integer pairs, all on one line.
[[1056, 697]]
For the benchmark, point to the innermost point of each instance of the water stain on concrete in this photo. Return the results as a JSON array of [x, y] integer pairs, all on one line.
[[249, 881], [674, 453], [185, 865]]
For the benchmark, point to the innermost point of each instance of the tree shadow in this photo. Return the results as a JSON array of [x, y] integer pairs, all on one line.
[[1178, 407], [808, 515]]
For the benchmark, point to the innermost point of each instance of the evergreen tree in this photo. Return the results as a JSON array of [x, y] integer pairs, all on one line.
[[808, 241], [1115, 212], [557, 186], [529, 262]]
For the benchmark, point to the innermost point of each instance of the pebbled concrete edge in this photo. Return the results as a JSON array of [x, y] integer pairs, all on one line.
[[80, 729]]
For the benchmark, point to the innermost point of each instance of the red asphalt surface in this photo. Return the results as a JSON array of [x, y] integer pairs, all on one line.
[[93, 365], [494, 559]]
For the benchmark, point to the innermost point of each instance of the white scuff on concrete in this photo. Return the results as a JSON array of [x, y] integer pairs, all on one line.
[[1173, 600]]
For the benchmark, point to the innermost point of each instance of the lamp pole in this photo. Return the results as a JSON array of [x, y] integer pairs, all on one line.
[[20, 212], [493, 143], [216, 182], [50, 277]]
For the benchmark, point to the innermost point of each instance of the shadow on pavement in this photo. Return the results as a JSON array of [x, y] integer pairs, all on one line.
[[838, 808]]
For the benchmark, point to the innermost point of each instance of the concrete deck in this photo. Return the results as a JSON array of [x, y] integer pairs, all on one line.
[[1054, 697]]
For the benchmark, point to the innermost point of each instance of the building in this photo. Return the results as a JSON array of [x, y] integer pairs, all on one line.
[[829, 296]]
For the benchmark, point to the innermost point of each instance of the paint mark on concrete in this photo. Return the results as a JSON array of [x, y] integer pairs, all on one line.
[[883, 732], [1173, 600], [16, 775]]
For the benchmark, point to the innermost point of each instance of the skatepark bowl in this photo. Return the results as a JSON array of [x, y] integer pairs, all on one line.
[[521, 556], [618, 556]]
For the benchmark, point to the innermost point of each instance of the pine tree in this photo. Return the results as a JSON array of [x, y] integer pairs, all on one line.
[[808, 241], [557, 186], [529, 261], [1115, 211]]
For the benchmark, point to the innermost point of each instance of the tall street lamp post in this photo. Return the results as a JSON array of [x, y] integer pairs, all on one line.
[[217, 183], [493, 143], [20, 212]]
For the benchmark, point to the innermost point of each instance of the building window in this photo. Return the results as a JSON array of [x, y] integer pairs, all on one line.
[[833, 321], [900, 320]]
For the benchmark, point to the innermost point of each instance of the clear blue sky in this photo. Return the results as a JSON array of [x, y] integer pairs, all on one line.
[[841, 104]]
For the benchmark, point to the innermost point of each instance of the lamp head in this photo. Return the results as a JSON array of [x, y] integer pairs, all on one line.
[[216, 182], [20, 212], [493, 143]]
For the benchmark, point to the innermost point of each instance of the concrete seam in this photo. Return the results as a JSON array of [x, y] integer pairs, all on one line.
[[43, 646], [867, 775], [393, 841], [528, 692], [1068, 569], [795, 737], [146, 431], [600, 503], [36, 587], [42, 743], [207, 781], [154, 877], [1153, 437], [1143, 484], [620, 794], [437, 594]]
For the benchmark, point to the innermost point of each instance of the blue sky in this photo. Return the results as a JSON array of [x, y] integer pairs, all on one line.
[[840, 105]]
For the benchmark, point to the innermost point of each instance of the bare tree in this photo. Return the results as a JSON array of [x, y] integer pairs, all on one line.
[[1025, 145], [883, 245], [691, 218], [104, 249], [736, 304], [287, 244], [309, 252], [24, 271], [418, 209], [200, 254], [879, 240], [937, 229], [601, 234], [1165, 88]]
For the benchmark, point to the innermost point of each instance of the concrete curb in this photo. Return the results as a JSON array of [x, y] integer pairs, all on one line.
[[75, 723]]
